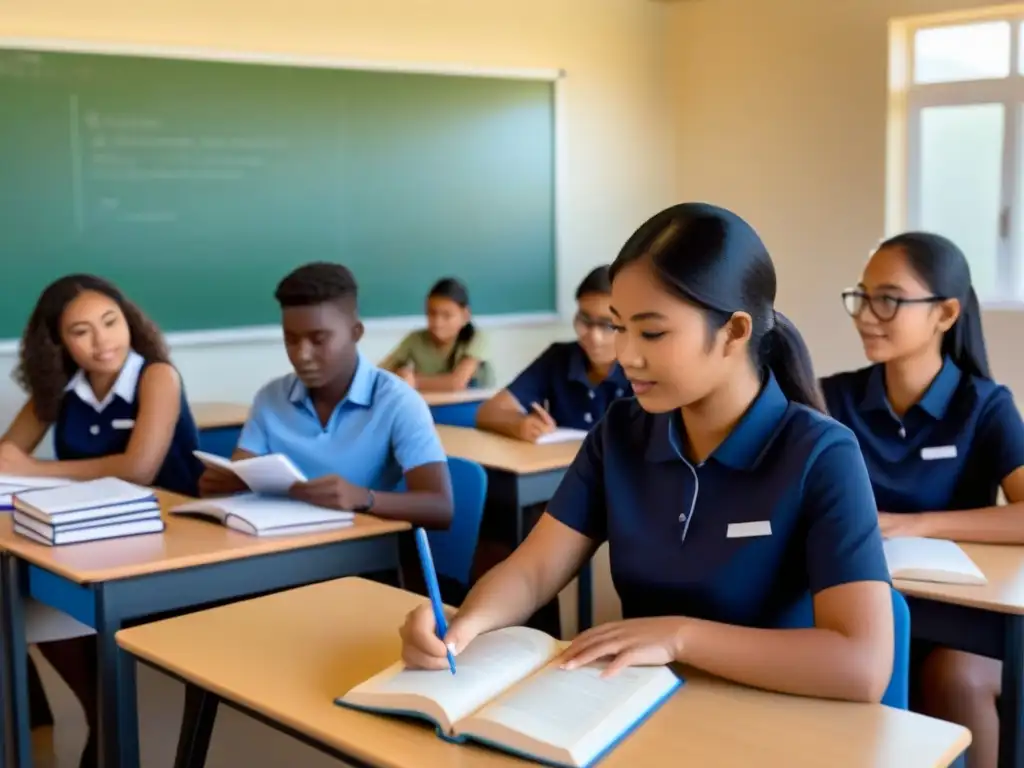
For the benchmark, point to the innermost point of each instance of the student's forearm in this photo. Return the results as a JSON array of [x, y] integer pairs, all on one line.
[[988, 525], [420, 508], [501, 420], [808, 662], [118, 465], [506, 596]]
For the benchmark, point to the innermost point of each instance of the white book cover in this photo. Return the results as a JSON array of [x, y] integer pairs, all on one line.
[[937, 560], [91, 494], [272, 474], [265, 515]]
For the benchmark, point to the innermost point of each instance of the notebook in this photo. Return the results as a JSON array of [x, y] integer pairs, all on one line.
[[509, 695], [12, 484], [918, 559], [266, 515], [272, 474], [89, 500], [561, 435], [79, 534]]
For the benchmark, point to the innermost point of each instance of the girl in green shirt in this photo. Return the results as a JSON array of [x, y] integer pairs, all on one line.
[[448, 355]]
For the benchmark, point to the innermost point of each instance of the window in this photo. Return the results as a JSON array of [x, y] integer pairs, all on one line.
[[957, 140]]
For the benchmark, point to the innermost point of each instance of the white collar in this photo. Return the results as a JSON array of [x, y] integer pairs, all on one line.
[[124, 386]]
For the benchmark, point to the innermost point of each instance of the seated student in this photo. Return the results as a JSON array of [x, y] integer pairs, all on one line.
[[572, 383], [98, 372], [930, 388], [351, 428], [450, 354], [723, 492]]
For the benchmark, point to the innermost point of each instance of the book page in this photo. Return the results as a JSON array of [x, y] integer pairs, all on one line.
[[272, 475], [576, 712], [213, 460], [935, 560], [489, 665], [561, 435]]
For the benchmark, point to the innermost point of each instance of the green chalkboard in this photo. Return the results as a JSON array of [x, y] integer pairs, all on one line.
[[197, 185]]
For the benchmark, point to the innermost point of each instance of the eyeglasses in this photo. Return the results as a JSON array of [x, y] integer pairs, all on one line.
[[584, 323], [883, 306]]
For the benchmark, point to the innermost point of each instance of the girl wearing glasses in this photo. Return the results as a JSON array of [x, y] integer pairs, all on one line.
[[723, 491], [939, 438], [572, 383]]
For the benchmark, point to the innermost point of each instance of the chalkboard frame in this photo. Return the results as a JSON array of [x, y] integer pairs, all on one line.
[[266, 333]]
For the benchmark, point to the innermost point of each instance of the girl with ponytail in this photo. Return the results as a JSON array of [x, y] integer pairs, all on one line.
[[726, 496], [450, 354], [940, 439]]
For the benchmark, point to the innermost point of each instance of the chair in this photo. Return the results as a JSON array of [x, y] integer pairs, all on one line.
[[220, 441], [454, 549], [897, 695]]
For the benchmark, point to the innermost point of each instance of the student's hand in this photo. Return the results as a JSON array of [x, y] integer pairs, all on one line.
[[536, 423], [423, 649], [631, 643], [331, 492], [14, 461], [899, 524], [408, 373], [218, 482]]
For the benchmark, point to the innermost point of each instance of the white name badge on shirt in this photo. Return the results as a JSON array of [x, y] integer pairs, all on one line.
[[749, 530], [938, 452], [123, 423]]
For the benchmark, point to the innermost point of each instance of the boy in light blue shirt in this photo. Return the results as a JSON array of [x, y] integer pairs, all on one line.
[[353, 429]]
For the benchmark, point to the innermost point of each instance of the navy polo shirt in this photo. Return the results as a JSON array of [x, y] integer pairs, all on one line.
[[782, 507], [950, 451], [559, 377], [89, 428]]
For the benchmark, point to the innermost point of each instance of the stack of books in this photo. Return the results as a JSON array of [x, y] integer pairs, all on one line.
[[12, 484], [107, 508]]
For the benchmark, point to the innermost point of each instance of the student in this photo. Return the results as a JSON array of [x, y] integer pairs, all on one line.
[[98, 372], [450, 354], [939, 437], [351, 428], [724, 494], [571, 384]]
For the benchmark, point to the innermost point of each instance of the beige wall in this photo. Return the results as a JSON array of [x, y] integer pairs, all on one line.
[[781, 115]]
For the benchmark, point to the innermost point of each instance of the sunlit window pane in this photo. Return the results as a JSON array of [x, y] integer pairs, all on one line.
[[963, 52]]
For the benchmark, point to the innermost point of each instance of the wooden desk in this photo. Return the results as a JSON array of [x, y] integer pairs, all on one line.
[[520, 474], [986, 620], [194, 563], [346, 632], [219, 415]]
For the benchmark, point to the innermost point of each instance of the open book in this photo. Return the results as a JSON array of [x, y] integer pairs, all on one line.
[[508, 694], [918, 559], [266, 515], [561, 435], [272, 474]]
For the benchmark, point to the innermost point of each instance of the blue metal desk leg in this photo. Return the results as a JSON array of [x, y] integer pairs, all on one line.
[[197, 723], [118, 737], [1011, 700], [18, 741]]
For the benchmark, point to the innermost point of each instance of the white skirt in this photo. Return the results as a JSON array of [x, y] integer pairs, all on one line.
[[44, 624]]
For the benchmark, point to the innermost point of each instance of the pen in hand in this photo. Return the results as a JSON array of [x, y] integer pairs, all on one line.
[[433, 590]]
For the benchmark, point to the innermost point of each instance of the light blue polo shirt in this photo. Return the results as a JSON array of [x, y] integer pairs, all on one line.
[[380, 431]]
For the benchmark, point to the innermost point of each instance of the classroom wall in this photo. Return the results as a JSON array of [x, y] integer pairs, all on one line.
[[616, 132], [780, 113]]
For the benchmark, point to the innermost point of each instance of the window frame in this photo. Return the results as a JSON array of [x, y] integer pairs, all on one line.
[[907, 100]]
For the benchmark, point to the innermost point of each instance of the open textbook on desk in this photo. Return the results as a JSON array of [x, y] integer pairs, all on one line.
[[510, 694]]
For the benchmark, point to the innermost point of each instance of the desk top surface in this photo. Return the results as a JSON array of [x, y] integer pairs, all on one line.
[[1003, 566], [185, 543], [347, 631], [505, 453]]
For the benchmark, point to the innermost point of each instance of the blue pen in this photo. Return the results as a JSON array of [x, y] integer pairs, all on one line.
[[433, 590]]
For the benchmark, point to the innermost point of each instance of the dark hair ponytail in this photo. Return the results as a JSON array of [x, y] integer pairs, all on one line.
[[454, 290], [712, 258], [942, 266], [784, 352]]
